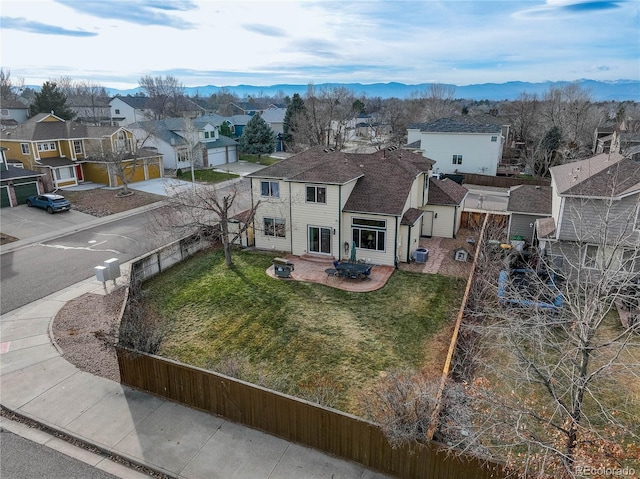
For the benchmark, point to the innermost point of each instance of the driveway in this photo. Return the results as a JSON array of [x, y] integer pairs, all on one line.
[[23, 222]]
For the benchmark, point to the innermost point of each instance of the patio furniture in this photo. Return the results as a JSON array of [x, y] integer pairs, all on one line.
[[354, 270], [331, 272], [282, 267]]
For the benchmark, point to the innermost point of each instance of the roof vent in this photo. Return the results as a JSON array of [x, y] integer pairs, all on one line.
[[325, 150]]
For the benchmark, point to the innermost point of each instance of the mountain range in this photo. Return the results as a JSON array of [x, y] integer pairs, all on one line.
[[618, 90]]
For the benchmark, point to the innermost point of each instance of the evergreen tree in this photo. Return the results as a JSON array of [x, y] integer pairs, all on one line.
[[257, 138], [295, 111], [49, 99], [225, 129]]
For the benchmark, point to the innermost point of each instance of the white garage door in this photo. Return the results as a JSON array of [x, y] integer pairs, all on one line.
[[218, 156]]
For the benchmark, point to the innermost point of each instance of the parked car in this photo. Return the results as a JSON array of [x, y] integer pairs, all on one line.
[[50, 202]]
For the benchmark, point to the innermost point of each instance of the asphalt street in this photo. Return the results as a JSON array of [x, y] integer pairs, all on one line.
[[37, 270], [21, 458]]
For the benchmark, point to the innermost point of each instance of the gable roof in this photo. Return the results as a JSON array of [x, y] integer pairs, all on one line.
[[35, 129], [10, 104], [446, 192], [136, 102], [383, 179], [167, 129], [13, 173], [603, 175], [274, 115], [530, 199], [451, 125]]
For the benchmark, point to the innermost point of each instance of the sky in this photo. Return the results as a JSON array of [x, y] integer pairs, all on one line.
[[226, 43]]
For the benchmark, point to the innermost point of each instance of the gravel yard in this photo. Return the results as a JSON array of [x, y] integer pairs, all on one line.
[[102, 202], [85, 328]]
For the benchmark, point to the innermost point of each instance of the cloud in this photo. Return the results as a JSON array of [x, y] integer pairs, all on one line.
[[24, 25], [554, 8], [266, 30], [140, 12]]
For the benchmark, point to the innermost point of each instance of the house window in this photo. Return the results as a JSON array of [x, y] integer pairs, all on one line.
[[316, 194], [77, 147], [117, 111], [270, 188], [630, 260], [66, 173], [457, 159], [494, 139], [47, 146], [206, 134], [182, 156], [274, 227], [25, 148], [369, 234], [590, 258]]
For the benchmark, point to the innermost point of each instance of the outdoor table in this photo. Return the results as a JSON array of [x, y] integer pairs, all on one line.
[[353, 270]]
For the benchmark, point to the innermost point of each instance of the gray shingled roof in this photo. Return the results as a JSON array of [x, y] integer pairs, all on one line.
[[136, 102], [56, 162], [35, 130], [166, 130], [450, 125], [446, 192], [530, 199], [603, 175], [12, 173], [411, 216], [384, 178]]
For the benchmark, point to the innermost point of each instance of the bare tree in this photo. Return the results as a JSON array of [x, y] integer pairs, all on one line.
[[523, 113], [165, 95], [209, 211], [9, 88], [545, 359]]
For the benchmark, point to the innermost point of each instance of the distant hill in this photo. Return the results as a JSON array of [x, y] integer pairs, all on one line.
[[619, 90]]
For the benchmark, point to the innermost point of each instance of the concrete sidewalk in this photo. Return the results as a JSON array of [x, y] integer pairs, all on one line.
[[38, 383]]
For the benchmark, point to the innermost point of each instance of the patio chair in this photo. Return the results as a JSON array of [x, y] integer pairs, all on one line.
[[331, 272]]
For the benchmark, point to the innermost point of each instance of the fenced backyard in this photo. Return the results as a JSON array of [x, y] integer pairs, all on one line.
[[289, 417]]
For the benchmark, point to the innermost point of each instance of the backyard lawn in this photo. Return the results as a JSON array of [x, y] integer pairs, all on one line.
[[210, 176], [304, 339]]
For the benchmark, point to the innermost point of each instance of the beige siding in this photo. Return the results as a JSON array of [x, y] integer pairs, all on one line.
[[385, 257], [305, 214], [272, 208]]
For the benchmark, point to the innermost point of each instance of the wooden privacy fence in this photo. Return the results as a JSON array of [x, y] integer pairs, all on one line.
[[293, 419], [501, 181]]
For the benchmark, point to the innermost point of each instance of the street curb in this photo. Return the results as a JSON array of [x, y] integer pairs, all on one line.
[[17, 245], [69, 437]]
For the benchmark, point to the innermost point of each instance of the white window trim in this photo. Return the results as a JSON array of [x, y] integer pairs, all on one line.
[[270, 195], [584, 256], [274, 235], [315, 202]]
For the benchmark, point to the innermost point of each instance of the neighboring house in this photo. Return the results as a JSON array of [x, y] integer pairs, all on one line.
[[170, 139], [16, 184], [70, 153], [443, 212], [126, 110], [527, 203], [459, 146], [320, 202], [595, 214], [90, 111], [12, 113], [275, 119]]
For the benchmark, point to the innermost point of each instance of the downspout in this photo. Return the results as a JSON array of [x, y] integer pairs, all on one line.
[[560, 216], [253, 220], [455, 217], [291, 217], [339, 222], [395, 246], [409, 244]]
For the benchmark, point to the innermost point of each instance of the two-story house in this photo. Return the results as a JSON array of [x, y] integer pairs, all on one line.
[[459, 146], [595, 221], [174, 138], [12, 113], [16, 184], [322, 202], [70, 153]]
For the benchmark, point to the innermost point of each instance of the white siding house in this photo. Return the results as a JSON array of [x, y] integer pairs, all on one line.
[[459, 146], [322, 202]]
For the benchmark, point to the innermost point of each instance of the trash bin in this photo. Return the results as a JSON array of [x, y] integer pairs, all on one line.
[[282, 267], [421, 255]]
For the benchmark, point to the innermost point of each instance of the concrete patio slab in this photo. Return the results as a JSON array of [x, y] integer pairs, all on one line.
[[170, 437], [236, 452]]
